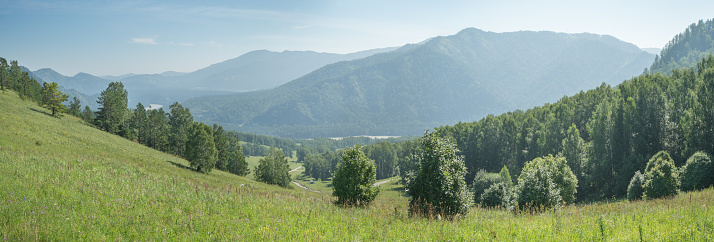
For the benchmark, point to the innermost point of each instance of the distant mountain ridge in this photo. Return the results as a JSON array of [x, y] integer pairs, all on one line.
[[252, 71], [445, 80]]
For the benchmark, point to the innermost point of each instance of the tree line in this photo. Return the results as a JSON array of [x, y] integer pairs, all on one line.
[[605, 134]]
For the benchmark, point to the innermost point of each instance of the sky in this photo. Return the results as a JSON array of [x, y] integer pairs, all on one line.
[[146, 37]]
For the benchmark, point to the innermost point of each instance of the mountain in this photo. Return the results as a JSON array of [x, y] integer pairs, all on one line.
[[82, 82], [445, 80], [251, 71], [255, 70], [686, 48]]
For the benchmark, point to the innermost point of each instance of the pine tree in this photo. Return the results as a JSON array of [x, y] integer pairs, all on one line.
[[53, 98]]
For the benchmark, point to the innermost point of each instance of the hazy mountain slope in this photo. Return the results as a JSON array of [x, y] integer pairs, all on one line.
[[82, 82], [251, 71], [259, 69], [686, 48], [445, 80]]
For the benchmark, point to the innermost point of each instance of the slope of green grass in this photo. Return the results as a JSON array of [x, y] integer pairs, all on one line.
[[63, 180]]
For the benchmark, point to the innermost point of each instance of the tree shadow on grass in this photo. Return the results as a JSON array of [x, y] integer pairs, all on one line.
[[181, 165], [40, 111]]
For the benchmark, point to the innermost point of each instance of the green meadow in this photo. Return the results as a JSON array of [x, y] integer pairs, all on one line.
[[64, 180]]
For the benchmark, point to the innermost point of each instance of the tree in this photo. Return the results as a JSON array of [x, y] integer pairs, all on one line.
[[385, 158], [112, 110], [574, 151], [88, 115], [505, 176], [75, 107], [53, 98], [438, 187], [634, 190], [200, 150], [220, 139], [536, 189], [138, 124], [236, 160], [354, 179], [697, 173], [660, 176], [557, 170], [180, 121], [4, 74], [301, 154], [273, 169]]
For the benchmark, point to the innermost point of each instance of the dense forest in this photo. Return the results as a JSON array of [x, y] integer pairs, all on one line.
[[686, 48], [605, 134]]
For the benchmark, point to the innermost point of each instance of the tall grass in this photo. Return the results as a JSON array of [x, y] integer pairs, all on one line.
[[63, 180]]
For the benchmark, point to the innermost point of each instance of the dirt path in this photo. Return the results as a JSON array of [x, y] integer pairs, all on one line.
[[382, 182], [303, 187], [296, 168]]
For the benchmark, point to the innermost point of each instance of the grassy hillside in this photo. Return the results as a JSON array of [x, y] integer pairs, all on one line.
[[63, 180]]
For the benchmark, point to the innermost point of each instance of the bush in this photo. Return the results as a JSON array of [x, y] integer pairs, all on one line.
[[438, 187], [482, 181], [559, 173], [354, 179], [660, 176], [536, 190], [634, 190], [498, 194], [697, 173]]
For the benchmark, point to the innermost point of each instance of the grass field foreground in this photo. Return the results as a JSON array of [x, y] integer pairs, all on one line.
[[64, 180]]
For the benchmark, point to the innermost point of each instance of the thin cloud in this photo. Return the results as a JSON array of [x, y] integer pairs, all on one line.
[[144, 41]]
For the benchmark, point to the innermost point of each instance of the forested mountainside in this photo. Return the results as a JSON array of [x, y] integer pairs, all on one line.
[[605, 134], [687, 48], [445, 80]]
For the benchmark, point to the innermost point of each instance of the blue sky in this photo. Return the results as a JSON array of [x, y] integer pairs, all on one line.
[[137, 36]]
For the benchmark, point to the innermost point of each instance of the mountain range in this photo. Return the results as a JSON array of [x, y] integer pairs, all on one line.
[[445, 80], [255, 70]]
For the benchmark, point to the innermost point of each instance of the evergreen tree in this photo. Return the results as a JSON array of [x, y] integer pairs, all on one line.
[[88, 115], [75, 107], [53, 98], [113, 108], [180, 121], [222, 147], [4, 74], [138, 124]]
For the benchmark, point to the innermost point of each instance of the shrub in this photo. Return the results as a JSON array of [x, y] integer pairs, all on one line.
[[482, 181], [559, 173], [697, 173], [438, 187], [634, 190], [498, 194], [536, 189], [354, 179], [660, 176]]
